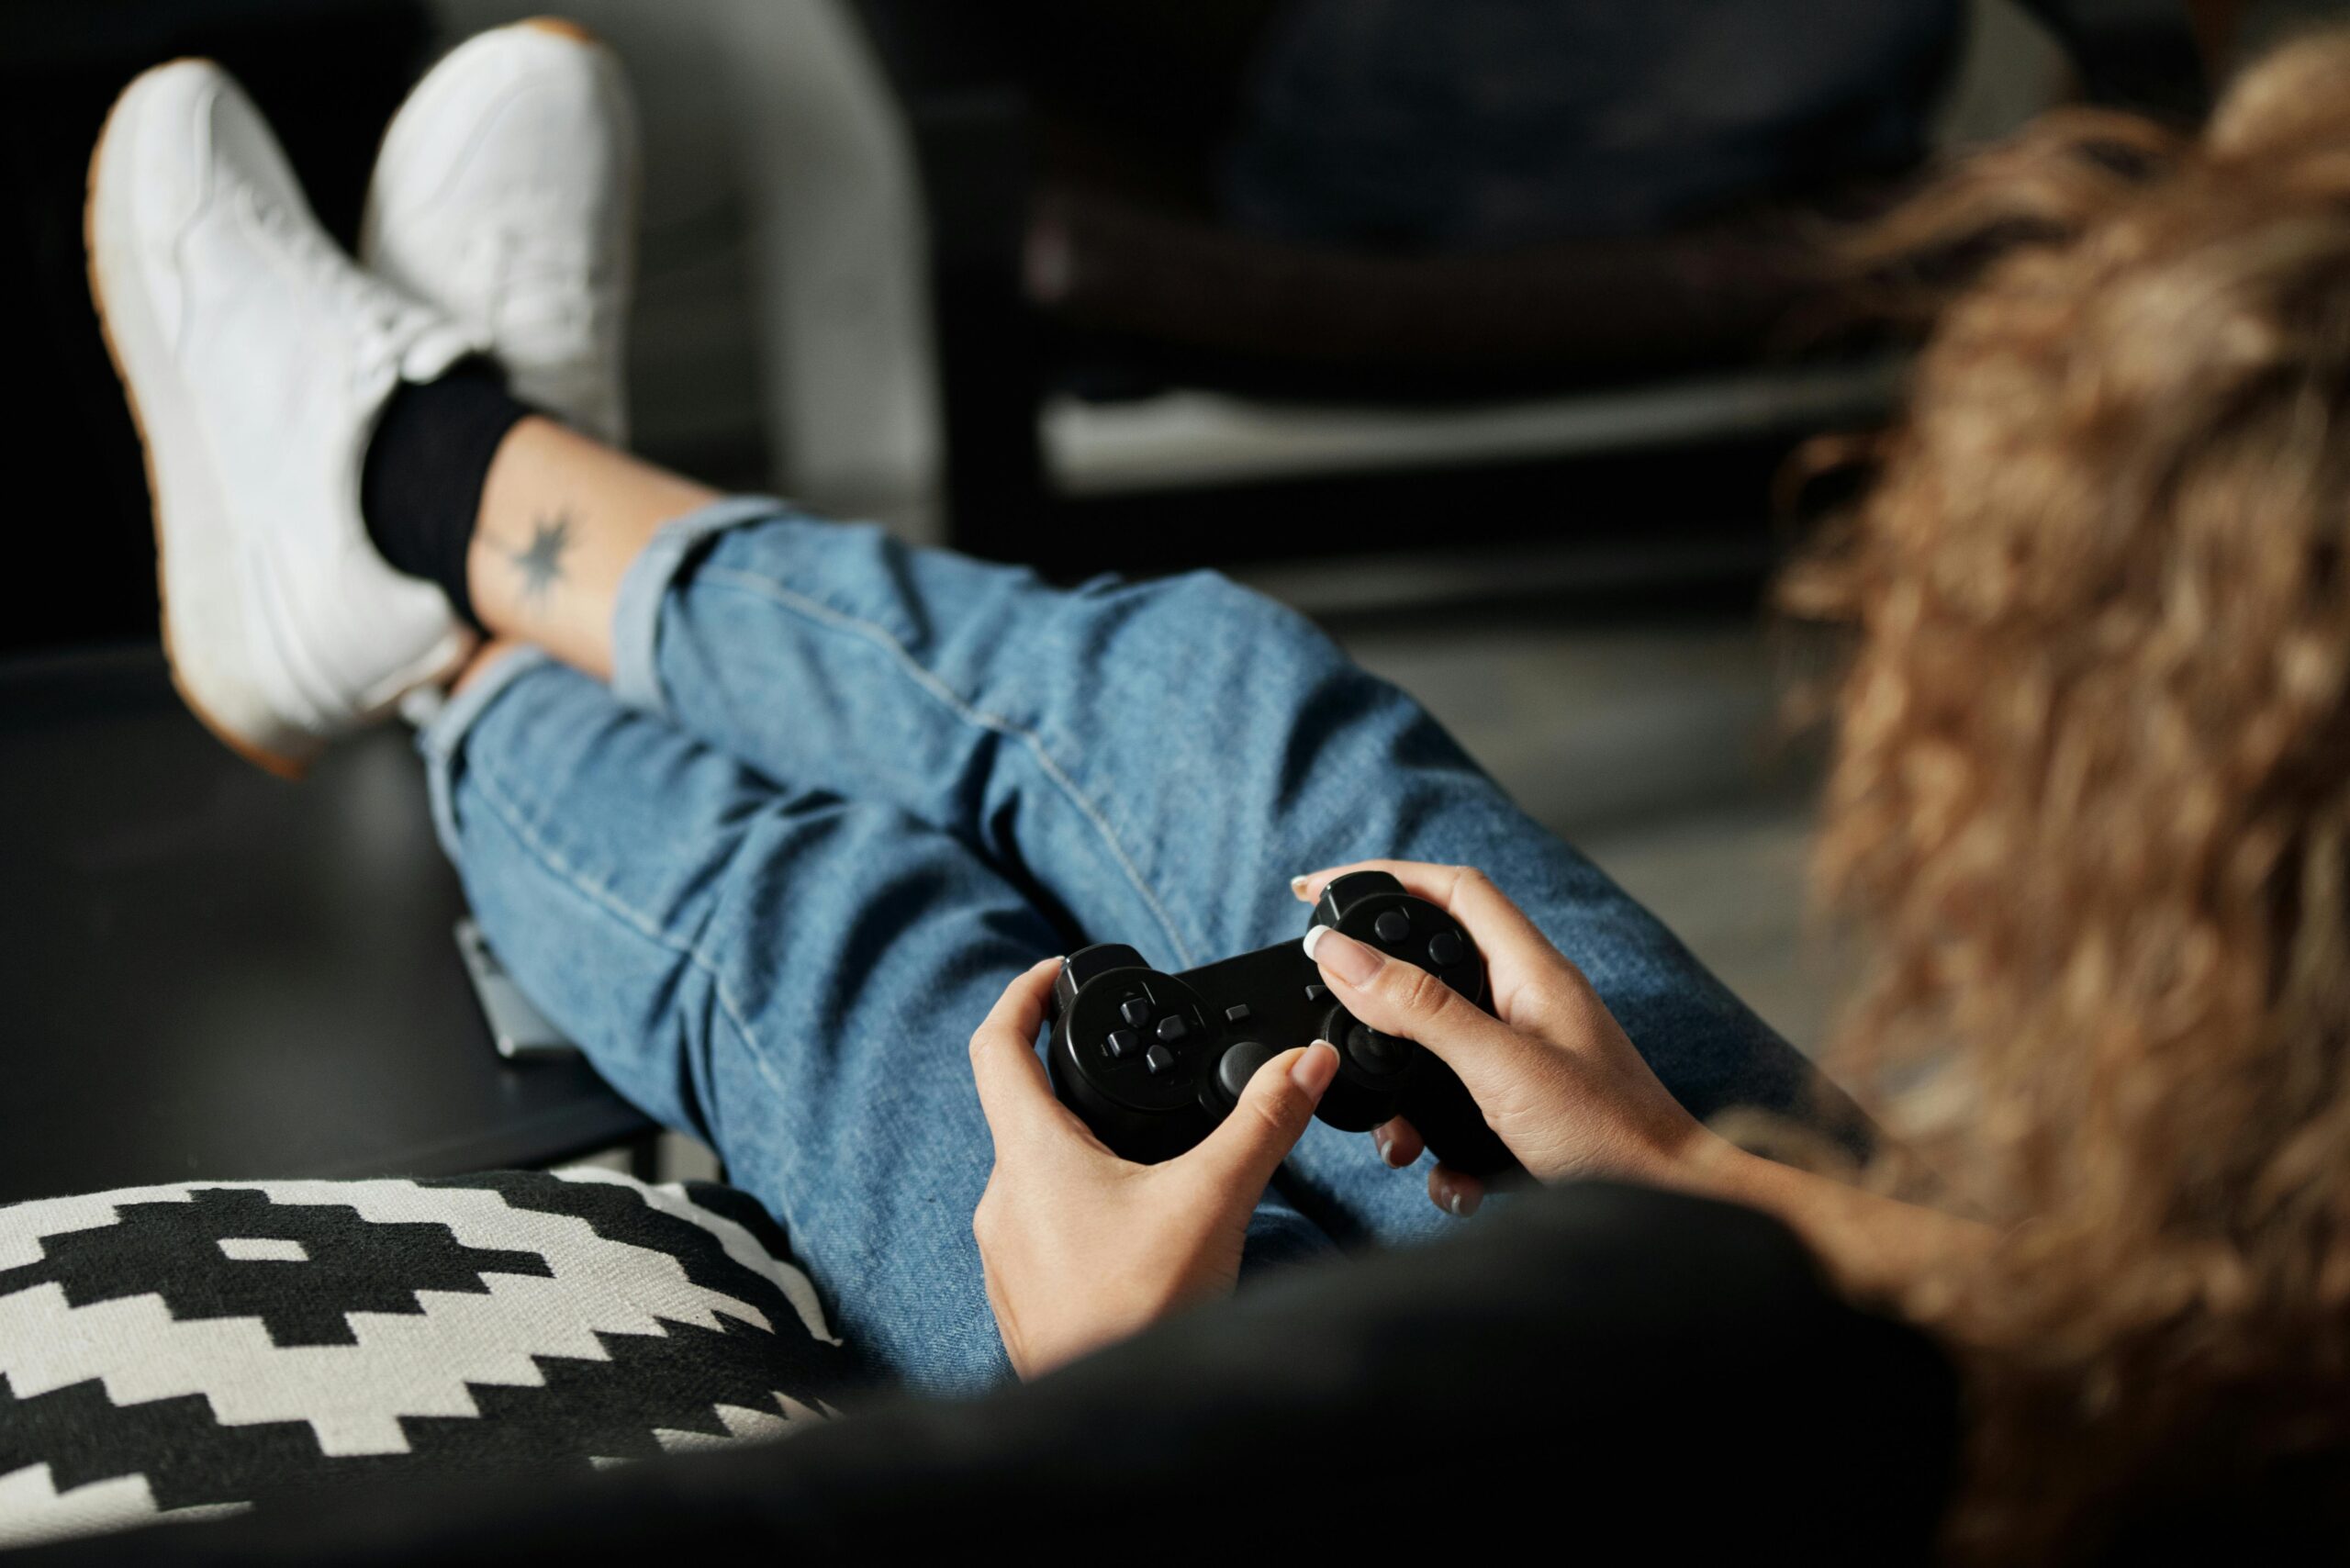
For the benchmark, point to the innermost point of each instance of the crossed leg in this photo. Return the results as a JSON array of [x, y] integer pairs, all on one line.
[[1145, 763]]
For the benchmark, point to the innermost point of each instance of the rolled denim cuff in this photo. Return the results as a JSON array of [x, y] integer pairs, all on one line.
[[443, 736], [636, 613]]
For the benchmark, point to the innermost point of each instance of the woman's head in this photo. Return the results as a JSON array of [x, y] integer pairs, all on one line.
[[2090, 808]]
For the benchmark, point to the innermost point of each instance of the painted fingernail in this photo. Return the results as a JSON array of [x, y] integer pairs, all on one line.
[[1452, 1202], [1313, 1071], [1386, 1147], [1297, 885], [1341, 955]]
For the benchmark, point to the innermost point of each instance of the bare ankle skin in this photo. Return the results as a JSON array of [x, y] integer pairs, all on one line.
[[562, 518]]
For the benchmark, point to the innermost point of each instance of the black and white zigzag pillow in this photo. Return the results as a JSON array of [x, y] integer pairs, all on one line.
[[185, 1351]]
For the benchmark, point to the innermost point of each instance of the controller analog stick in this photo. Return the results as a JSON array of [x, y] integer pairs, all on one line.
[[1372, 1051], [1239, 1065], [1446, 949]]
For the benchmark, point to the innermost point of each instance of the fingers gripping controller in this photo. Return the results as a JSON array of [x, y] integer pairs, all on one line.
[[1152, 1062], [1372, 908]]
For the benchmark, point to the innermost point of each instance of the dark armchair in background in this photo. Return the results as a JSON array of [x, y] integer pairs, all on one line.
[[1077, 165]]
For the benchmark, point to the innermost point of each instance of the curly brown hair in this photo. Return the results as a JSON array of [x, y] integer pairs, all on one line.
[[2089, 809]]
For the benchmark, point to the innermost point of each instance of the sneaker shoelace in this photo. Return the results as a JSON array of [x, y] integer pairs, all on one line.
[[548, 305], [541, 270], [383, 325]]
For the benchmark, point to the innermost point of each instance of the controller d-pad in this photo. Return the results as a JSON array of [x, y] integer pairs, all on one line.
[[1122, 1044], [1393, 927], [1159, 1059], [1172, 1029], [1135, 1010], [1317, 993], [1446, 949], [1237, 1014]]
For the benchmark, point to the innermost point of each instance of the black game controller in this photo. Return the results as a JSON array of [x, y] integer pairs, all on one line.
[[1152, 1062]]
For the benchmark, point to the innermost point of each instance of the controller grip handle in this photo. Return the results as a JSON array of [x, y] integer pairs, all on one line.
[[1453, 1127]]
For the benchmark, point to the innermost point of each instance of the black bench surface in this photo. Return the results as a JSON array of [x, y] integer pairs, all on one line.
[[210, 973]]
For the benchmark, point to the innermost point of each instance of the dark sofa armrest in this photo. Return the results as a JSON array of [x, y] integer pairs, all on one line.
[[969, 120]]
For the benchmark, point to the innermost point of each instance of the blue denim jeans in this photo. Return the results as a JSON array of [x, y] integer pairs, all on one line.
[[840, 791]]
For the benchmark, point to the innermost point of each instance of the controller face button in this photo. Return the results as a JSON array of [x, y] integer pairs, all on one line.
[[1372, 1051], [1159, 1059], [1172, 1028], [1392, 927], [1122, 1044], [1135, 1010], [1237, 1014], [1446, 949], [1317, 993]]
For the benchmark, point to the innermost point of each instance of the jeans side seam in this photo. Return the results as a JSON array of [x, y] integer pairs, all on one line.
[[553, 861], [877, 637]]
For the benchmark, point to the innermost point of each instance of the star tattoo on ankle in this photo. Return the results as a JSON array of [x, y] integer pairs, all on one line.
[[540, 562]]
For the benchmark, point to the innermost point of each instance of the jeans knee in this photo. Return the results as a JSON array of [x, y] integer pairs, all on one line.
[[1238, 663], [1206, 613]]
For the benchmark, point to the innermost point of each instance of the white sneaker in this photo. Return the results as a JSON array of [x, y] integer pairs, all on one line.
[[505, 195], [257, 357]]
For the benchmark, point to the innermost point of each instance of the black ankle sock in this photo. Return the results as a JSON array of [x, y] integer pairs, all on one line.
[[420, 488]]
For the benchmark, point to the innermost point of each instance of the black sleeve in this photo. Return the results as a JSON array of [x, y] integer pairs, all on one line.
[[1600, 1359]]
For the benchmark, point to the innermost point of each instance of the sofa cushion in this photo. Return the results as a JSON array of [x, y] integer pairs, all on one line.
[[187, 1350]]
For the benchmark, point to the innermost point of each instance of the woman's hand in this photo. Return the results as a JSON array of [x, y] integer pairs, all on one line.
[[1082, 1248], [1553, 1072]]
